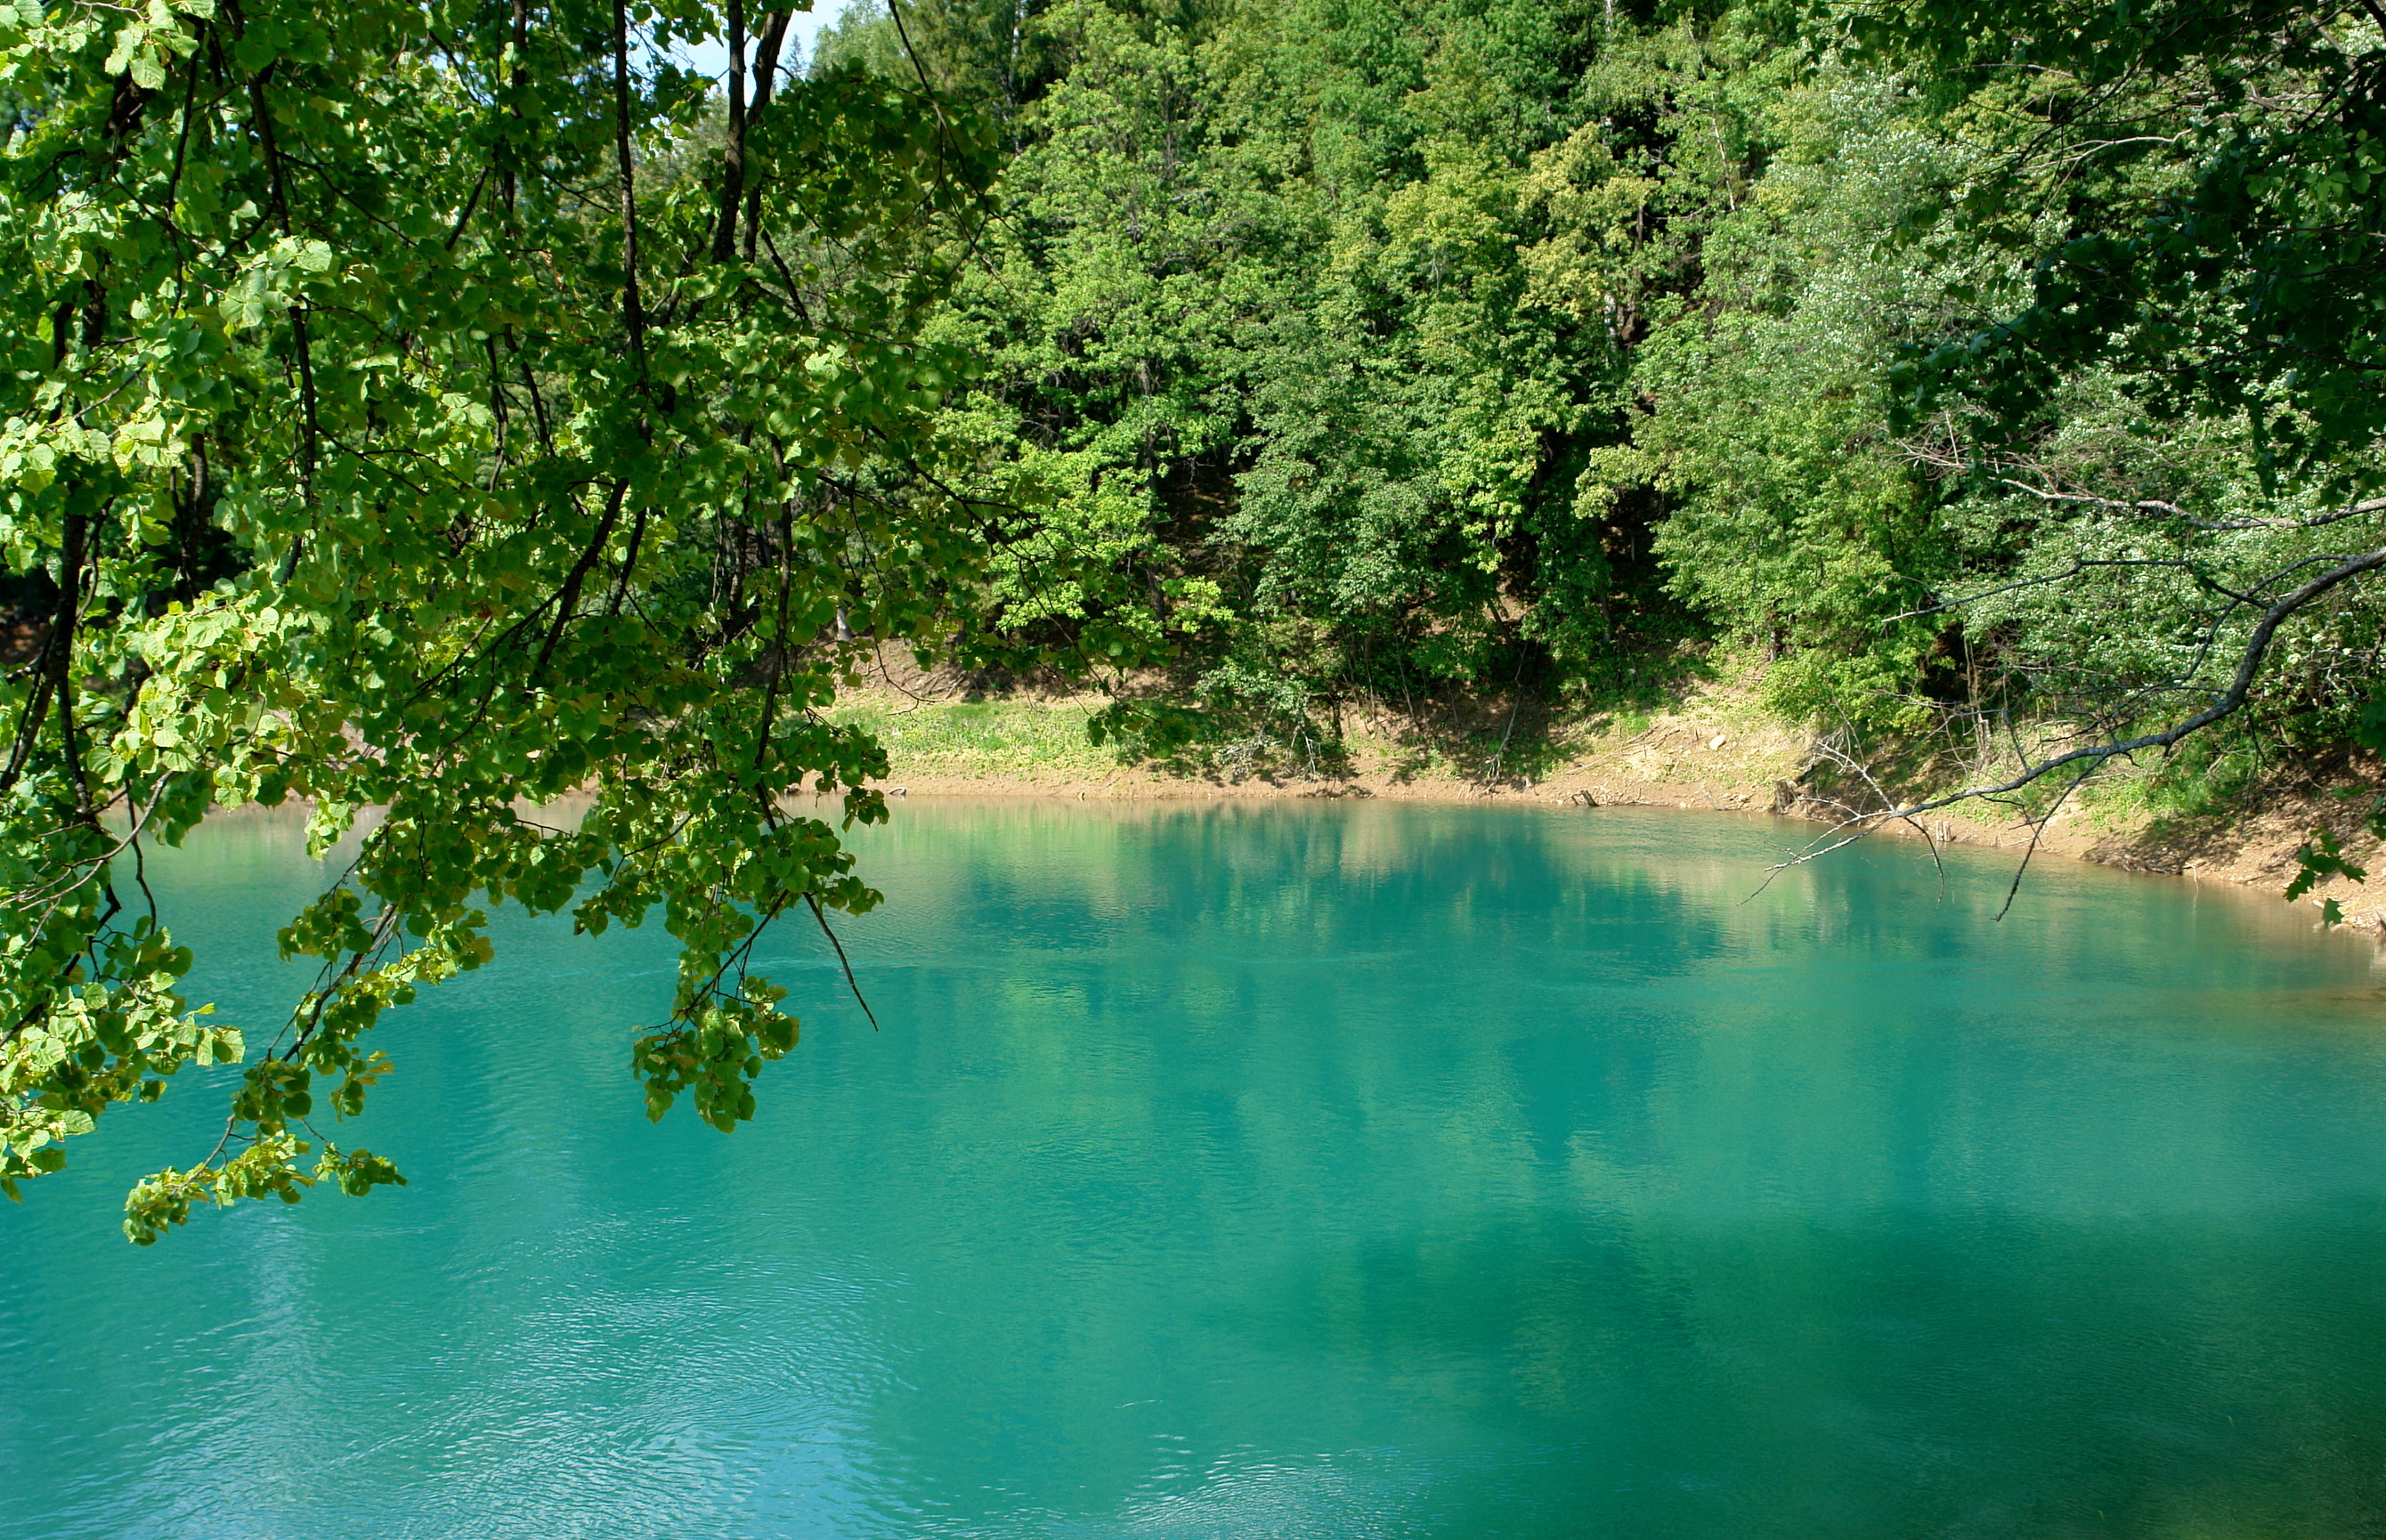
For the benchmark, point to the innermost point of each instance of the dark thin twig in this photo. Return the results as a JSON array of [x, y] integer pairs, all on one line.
[[851, 982], [2038, 831], [469, 204], [568, 599]]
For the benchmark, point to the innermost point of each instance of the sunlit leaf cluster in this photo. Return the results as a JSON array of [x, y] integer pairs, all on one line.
[[444, 417]]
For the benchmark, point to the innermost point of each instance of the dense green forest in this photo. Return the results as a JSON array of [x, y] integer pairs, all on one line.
[[444, 407], [1953, 365]]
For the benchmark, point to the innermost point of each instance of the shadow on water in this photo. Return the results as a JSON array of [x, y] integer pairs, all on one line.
[[1980, 1375]]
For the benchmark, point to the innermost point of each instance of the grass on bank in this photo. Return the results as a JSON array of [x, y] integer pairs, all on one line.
[[1023, 738], [1026, 738]]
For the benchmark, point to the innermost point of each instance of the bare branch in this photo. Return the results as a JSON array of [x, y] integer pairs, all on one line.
[[2172, 510], [632, 312], [732, 152], [2227, 704]]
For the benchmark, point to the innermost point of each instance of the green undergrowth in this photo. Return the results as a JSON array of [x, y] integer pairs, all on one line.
[[985, 737]]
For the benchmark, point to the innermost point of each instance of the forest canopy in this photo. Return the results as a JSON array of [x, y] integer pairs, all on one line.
[[1409, 346], [436, 411]]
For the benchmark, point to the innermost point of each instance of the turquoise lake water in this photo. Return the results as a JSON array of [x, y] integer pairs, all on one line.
[[1293, 1171]]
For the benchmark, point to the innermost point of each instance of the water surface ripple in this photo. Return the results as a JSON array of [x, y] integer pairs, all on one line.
[[1241, 1171]]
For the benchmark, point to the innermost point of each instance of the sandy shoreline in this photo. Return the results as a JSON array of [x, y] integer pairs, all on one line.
[[1733, 777]]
